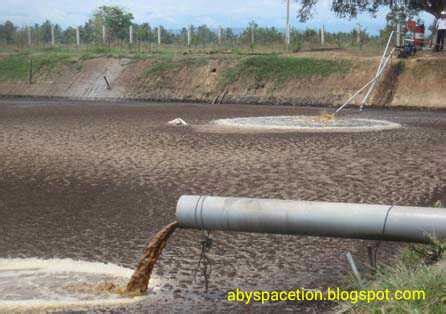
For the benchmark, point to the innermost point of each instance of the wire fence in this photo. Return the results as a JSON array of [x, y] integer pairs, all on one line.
[[143, 38]]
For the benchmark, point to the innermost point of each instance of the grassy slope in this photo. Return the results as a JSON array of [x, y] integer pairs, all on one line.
[[15, 67], [280, 69], [167, 64], [421, 267], [403, 276], [267, 67]]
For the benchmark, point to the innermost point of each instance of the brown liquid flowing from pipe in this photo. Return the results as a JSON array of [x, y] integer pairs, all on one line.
[[139, 282]]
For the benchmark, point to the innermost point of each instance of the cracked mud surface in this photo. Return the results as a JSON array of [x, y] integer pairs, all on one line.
[[94, 181]]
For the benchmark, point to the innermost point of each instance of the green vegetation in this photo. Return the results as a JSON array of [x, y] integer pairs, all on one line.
[[261, 67], [159, 68], [167, 63], [409, 274], [15, 67], [279, 69], [421, 268], [118, 20]]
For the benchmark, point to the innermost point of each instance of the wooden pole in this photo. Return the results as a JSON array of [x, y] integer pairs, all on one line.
[[159, 35], [358, 35], [131, 34], [252, 35], [107, 83], [30, 71]]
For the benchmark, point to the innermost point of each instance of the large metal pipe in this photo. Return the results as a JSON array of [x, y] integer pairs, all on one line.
[[346, 220]]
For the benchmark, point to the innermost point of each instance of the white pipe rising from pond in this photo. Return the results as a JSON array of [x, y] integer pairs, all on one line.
[[372, 81], [383, 57], [345, 220]]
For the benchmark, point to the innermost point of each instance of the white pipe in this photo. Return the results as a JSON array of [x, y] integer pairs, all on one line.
[[346, 220], [364, 100], [398, 34], [368, 84]]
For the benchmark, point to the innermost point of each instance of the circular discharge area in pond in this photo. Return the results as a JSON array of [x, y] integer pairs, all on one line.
[[33, 284], [321, 123]]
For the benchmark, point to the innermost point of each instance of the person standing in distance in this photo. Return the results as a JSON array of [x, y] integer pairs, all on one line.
[[441, 31]]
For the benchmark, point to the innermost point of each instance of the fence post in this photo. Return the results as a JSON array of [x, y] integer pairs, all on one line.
[[189, 35], [219, 35], [322, 35], [287, 28], [159, 35], [252, 36], [29, 36], [104, 35], [78, 37], [53, 40], [131, 34], [358, 35]]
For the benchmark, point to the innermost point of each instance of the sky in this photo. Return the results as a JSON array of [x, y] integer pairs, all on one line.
[[177, 14]]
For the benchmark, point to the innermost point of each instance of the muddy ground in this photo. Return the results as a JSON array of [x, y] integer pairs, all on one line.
[[94, 181]]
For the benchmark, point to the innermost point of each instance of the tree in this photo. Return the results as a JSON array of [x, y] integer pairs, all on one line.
[[89, 34], [68, 36], [116, 20], [144, 32], [204, 35], [7, 31], [351, 8], [228, 35], [45, 32]]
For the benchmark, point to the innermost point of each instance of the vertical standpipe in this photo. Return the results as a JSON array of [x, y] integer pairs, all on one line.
[[398, 34], [345, 220]]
